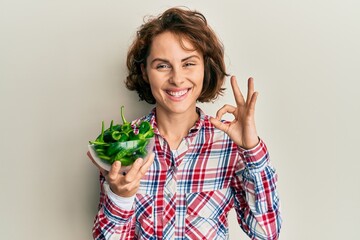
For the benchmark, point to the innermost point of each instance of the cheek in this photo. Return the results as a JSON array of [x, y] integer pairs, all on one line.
[[157, 79], [199, 77], [155, 84], [200, 71]]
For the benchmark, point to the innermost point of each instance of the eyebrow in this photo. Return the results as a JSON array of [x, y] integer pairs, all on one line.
[[182, 60]]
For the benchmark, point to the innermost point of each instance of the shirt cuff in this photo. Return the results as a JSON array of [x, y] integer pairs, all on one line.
[[125, 203], [255, 158]]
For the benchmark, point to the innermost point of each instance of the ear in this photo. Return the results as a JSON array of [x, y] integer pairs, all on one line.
[[144, 74]]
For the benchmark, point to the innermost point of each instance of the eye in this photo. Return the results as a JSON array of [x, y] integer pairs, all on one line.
[[189, 64], [163, 66]]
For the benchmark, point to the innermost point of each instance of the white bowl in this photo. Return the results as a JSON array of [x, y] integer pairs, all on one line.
[[128, 144]]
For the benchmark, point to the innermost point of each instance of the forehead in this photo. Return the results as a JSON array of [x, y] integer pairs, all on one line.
[[169, 43]]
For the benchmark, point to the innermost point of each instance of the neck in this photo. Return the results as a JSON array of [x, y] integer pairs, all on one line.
[[174, 127]]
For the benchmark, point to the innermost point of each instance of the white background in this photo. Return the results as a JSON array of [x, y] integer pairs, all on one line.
[[62, 67]]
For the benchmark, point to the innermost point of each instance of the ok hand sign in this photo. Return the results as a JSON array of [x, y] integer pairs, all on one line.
[[242, 129]]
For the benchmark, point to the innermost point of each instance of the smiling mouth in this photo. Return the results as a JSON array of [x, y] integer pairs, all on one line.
[[177, 93]]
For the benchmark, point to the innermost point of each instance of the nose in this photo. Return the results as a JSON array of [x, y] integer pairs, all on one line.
[[176, 77]]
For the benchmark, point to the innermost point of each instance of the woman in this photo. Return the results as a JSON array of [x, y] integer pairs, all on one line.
[[201, 166]]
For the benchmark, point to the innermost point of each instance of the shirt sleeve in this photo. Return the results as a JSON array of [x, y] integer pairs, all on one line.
[[125, 203], [256, 198], [112, 221]]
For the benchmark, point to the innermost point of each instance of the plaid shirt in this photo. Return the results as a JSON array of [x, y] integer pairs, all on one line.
[[188, 193]]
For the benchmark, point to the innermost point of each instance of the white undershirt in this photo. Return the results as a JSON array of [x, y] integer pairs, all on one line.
[[125, 203]]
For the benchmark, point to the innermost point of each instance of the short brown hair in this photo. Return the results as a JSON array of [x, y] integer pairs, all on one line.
[[184, 23]]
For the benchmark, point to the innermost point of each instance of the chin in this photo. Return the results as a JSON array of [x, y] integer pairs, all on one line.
[[182, 108]]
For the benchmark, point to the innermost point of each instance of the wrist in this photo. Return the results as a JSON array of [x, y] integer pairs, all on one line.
[[125, 203], [250, 144], [123, 194]]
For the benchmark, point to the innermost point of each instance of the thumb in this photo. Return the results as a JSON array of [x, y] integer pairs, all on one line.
[[219, 125]]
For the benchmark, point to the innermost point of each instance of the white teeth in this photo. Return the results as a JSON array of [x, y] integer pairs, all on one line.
[[177, 94]]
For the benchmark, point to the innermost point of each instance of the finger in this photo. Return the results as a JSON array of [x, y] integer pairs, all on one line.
[[225, 109], [253, 102], [134, 170], [250, 91], [114, 171], [220, 125], [239, 99], [103, 171], [144, 168]]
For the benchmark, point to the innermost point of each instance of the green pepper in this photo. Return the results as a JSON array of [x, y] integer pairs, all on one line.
[[100, 138], [144, 127], [116, 135], [141, 136], [121, 154], [108, 144], [140, 149], [111, 125], [126, 127], [140, 153], [99, 149], [117, 127], [126, 161], [133, 136], [104, 157], [114, 148], [97, 143], [105, 135], [142, 143], [124, 137], [149, 134]]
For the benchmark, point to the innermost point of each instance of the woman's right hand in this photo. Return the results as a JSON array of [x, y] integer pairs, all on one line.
[[125, 185]]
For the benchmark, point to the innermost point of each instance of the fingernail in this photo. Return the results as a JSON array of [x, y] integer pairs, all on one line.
[[140, 161]]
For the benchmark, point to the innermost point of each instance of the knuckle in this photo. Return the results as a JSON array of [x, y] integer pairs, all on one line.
[[137, 185], [128, 179], [128, 188], [110, 178], [143, 171], [137, 166]]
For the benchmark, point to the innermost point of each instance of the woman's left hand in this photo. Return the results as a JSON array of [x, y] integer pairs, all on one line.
[[242, 129]]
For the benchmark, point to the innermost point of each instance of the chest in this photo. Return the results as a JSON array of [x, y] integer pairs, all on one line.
[[198, 165]]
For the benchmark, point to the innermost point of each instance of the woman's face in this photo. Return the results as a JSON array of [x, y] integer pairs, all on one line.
[[175, 75]]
